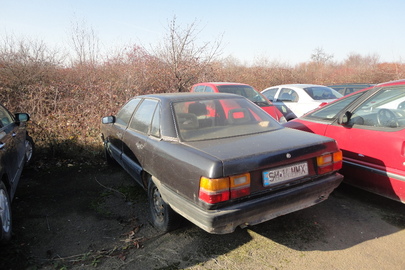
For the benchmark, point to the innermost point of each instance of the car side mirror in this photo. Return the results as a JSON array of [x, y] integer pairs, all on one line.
[[108, 119], [22, 117], [344, 119]]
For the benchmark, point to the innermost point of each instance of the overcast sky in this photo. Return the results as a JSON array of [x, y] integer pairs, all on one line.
[[287, 31]]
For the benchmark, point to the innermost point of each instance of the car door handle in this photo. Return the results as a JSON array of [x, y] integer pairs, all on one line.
[[2, 145]]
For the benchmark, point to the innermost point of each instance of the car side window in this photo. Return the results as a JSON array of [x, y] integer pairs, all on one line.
[[287, 94], [199, 88], [270, 93], [384, 109], [208, 89], [143, 116], [125, 113], [155, 127], [5, 117]]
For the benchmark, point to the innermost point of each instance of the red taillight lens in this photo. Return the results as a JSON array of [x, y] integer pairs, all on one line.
[[240, 185], [215, 197], [223, 189], [214, 190], [330, 162]]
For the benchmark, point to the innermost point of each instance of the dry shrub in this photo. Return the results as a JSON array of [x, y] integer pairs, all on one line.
[[67, 103]]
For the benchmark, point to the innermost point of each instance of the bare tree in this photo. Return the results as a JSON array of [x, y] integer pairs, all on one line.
[[24, 62], [184, 56], [320, 56], [358, 61], [85, 44]]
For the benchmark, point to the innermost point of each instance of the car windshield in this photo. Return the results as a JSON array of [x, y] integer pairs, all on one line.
[[384, 109], [220, 118], [319, 93], [331, 111], [245, 91]]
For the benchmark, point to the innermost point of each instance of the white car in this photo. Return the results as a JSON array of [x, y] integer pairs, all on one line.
[[294, 100]]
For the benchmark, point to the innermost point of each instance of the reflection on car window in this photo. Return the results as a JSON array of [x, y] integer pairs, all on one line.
[[384, 109], [270, 93], [208, 89], [5, 117], [331, 111], [125, 113], [289, 95], [199, 88], [245, 91], [155, 127], [220, 118], [143, 116], [319, 93]]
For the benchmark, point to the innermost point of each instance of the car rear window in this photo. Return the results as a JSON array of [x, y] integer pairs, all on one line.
[[220, 118], [245, 91], [319, 93]]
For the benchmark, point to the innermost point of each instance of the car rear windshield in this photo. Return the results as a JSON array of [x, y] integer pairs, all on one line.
[[319, 93], [245, 91], [220, 118]]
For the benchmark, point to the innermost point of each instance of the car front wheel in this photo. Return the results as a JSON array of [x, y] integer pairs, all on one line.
[[5, 214], [164, 217]]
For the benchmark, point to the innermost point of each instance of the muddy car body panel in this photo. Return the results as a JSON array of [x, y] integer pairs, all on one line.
[[233, 166]]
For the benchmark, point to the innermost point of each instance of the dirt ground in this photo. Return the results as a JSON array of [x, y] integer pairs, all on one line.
[[95, 217]]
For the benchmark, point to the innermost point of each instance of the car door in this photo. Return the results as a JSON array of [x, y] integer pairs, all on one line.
[[374, 146], [292, 100], [12, 146], [117, 131], [271, 94], [135, 138]]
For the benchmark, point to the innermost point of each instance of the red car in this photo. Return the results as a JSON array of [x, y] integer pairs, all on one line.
[[244, 90], [369, 127]]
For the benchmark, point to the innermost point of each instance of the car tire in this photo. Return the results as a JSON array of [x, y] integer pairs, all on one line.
[[164, 218], [29, 150], [5, 214]]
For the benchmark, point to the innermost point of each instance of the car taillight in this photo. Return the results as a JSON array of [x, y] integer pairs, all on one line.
[[330, 162], [223, 189]]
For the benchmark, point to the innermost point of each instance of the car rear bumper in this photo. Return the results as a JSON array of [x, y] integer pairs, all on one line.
[[254, 211]]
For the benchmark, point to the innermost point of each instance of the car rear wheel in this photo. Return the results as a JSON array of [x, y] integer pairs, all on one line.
[[163, 216], [5, 214]]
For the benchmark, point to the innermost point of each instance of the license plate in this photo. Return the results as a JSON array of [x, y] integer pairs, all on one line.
[[282, 174]]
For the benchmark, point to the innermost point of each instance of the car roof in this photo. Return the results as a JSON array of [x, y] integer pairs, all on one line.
[[396, 82], [351, 84], [298, 85], [221, 83], [184, 96]]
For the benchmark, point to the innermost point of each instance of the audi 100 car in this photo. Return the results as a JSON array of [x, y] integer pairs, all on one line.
[[244, 90], [369, 127], [218, 160]]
